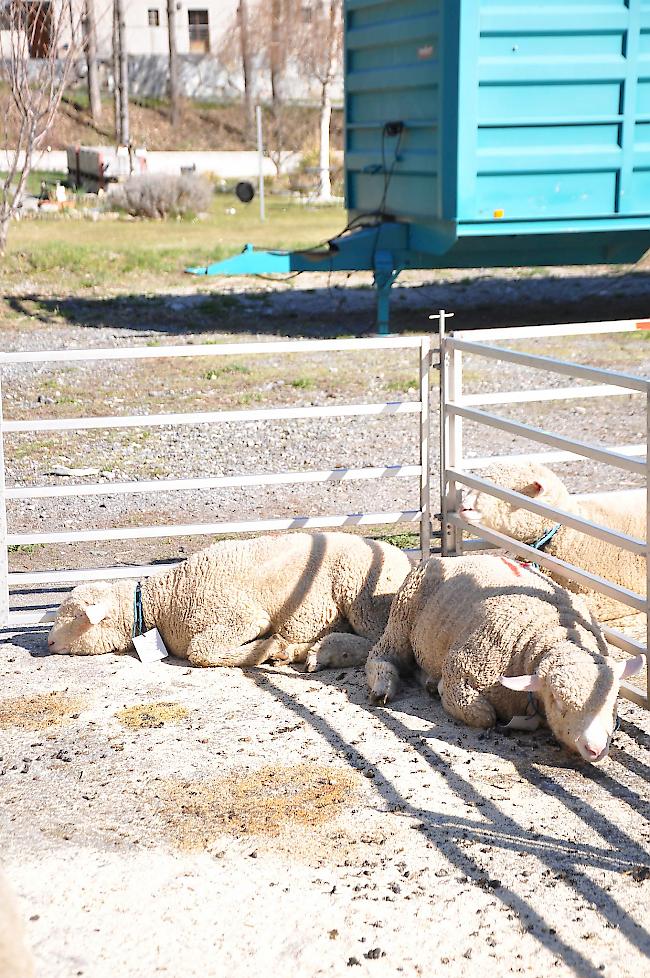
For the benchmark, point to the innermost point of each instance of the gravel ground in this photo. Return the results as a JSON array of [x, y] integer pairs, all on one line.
[[269, 820]]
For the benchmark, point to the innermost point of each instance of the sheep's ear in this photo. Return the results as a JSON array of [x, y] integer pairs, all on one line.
[[630, 667], [96, 612], [525, 684], [534, 489]]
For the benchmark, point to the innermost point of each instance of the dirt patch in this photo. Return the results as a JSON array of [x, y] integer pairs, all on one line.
[[145, 715], [39, 712], [262, 803]]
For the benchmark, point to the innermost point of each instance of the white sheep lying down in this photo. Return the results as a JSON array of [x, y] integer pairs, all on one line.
[[627, 515], [242, 602], [488, 632]]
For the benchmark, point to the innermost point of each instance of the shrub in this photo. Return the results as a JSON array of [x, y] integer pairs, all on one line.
[[162, 195]]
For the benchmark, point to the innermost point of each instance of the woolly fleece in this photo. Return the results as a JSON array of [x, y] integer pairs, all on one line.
[[468, 621], [241, 602], [626, 515]]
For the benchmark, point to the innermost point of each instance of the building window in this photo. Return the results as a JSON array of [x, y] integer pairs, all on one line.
[[199, 29], [154, 17]]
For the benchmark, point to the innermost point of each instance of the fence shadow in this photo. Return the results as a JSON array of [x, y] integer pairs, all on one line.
[[451, 834]]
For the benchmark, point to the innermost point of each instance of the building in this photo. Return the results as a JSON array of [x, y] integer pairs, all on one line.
[[200, 26], [203, 27]]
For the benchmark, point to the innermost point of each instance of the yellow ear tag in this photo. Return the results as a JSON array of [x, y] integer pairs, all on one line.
[[499, 212]]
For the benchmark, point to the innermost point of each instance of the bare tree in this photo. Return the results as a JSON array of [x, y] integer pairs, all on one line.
[[320, 55], [90, 37], [174, 91], [247, 68], [37, 53], [121, 67]]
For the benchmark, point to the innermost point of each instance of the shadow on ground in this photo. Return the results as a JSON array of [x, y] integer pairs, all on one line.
[[332, 308], [566, 860]]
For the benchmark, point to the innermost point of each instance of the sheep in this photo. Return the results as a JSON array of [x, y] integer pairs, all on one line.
[[627, 515], [243, 602], [15, 959], [501, 641]]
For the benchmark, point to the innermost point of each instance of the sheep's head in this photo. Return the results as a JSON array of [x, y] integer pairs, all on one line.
[[91, 620], [579, 696], [527, 478]]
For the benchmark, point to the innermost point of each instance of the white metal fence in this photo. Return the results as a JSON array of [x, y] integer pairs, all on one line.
[[457, 407], [421, 469]]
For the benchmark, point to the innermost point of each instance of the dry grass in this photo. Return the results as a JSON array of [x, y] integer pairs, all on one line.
[[145, 715], [262, 803], [39, 712]]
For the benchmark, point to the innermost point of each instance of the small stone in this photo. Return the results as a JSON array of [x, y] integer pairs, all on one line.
[[353, 961]]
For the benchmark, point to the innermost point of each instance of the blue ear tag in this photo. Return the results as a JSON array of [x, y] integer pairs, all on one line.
[[541, 543]]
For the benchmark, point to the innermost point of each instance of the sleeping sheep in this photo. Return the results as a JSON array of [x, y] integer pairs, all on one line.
[[626, 514], [242, 602], [502, 642]]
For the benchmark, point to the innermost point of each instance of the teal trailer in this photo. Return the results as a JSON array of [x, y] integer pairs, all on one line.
[[482, 133]]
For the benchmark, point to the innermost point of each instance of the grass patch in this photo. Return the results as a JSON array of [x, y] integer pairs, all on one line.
[[148, 251], [229, 368], [404, 384], [302, 383], [36, 177], [264, 802], [405, 541], [39, 712], [151, 715]]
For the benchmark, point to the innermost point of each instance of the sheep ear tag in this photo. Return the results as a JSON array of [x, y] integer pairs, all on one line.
[[150, 646], [96, 612], [523, 684]]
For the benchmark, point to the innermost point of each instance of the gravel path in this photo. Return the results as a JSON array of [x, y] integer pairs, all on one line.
[[237, 823]]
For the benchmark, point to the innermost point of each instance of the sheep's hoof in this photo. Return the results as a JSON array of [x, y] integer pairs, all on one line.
[[312, 663]]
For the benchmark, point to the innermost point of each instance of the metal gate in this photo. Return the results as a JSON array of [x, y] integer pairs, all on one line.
[[420, 468], [455, 406]]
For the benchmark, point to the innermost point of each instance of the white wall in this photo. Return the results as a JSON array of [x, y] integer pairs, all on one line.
[[143, 39]]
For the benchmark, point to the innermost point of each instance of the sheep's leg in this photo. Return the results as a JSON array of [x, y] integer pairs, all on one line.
[[462, 700], [390, 657], [338, 650], [214, 647], [382, 678], [285, 651]]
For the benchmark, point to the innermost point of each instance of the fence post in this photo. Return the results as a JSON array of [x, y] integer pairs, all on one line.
[[425, 459], [4, 561], [455, 450], [446, 537]]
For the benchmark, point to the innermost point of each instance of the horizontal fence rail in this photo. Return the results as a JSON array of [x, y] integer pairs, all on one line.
[[209, 529], [210, 350], [214, 417], [457, 406], [419, 515], [218, 482]]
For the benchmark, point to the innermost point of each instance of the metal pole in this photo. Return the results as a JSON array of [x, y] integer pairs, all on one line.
[[456, 437], [425, 461], [445, 456], [260, 151], [4, 560]]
